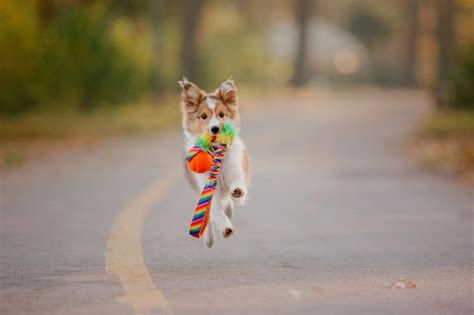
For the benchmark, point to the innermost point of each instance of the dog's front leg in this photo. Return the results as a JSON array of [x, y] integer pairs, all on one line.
[[234, 172], [220, 219]]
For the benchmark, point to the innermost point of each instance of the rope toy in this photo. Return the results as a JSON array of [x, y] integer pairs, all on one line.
[[208, 147]]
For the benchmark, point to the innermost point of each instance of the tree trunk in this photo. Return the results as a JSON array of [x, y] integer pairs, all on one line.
[[446, 50], [191, 17], [302, 13], [156, 9], [412, 36]]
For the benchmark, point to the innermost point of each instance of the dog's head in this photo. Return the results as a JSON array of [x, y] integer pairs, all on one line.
[[208, 112]]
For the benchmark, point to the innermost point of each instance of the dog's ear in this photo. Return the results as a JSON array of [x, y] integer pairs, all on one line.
[[227, 93], [191, 94]]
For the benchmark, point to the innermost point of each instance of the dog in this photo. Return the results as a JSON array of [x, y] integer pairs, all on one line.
[[207, 112]]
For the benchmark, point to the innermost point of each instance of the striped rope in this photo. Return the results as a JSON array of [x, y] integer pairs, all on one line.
[[203, 209], [192, 152]]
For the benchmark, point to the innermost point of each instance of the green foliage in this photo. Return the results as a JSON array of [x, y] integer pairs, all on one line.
[[368, 24], [375, 23], [450, 123], [230, 46], [463, 81], [67, 56], [19, 50], [68, 60]]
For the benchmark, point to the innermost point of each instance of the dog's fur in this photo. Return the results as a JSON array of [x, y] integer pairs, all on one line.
[[203, 112]]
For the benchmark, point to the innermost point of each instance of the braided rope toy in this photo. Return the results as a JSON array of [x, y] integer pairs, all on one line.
[[213, 147]]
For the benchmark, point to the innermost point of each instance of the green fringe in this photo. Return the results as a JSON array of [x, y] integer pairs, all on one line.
[[226, 136]]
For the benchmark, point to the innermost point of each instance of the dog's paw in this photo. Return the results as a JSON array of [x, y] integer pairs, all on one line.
[[209, 237], [228, 232], [238, 191]]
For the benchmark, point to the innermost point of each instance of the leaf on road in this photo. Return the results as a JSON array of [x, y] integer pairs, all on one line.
[[402, 283]]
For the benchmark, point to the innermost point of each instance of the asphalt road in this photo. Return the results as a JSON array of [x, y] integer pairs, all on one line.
[[337, 209]]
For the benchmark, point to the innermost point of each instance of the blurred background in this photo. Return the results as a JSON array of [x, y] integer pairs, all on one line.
[[345, 104], [79, 55], [72, 69]]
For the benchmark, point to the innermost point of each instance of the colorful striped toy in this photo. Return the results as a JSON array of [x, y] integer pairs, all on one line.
[[219, 145], [203, 209]]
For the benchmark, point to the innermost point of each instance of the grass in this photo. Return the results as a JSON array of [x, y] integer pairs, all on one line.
[[21, 136], [450, 123], [446, 143], [123, 120]]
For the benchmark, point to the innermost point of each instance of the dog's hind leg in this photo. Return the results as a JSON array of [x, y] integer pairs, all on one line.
[[209, 234], [227, 205]]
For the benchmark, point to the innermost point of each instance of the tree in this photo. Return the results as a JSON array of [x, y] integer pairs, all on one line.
[[446, 50], [190, 23], [412, 36], [302, 13], [156, 15]]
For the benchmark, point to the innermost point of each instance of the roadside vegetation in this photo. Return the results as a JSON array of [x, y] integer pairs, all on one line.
[[32, 134], [445, 143], [446, 140]]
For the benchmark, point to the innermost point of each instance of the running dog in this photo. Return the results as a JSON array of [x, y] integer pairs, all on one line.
[[207, 112]]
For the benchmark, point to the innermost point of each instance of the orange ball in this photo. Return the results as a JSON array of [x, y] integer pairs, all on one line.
[[201, 162]]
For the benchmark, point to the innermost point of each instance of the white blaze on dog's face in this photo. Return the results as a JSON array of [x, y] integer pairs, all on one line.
[[207, 112]]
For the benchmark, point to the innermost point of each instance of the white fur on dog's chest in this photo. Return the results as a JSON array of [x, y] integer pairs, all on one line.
[[235, 151]]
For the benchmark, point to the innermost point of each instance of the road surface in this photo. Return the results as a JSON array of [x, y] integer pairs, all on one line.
[[337, 210]]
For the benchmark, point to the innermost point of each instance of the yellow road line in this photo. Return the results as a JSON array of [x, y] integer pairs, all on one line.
[[124, 255]]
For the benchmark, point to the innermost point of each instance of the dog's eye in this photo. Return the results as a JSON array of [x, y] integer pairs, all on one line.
[[203, 116], [221, 114]]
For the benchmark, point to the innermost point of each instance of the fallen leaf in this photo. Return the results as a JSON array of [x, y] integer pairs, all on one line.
[[403, 283]]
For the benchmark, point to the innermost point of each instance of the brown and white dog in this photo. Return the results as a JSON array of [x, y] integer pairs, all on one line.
[[207, 112]]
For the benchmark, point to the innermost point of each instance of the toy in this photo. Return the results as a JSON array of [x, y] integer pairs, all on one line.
[[204, 145], [198, 160]]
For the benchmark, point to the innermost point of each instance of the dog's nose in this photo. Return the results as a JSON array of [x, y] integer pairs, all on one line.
[[215, 130]]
